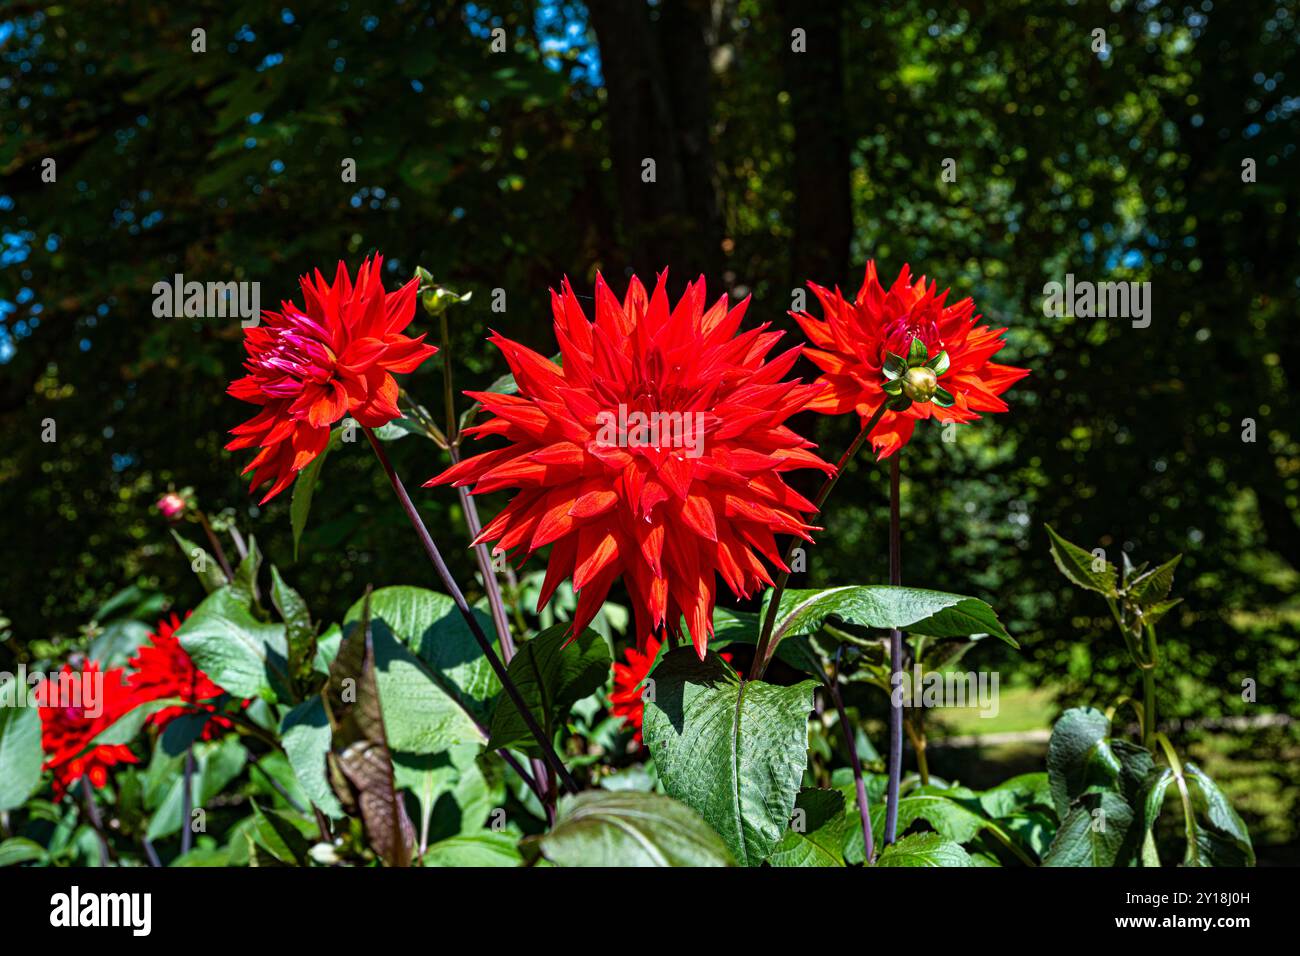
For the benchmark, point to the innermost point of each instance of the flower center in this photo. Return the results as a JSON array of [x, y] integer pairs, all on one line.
[[900, 332]]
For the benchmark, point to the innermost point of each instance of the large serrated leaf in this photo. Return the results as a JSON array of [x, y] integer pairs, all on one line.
[[1093, 833], [817, 833], [924, 849], [600, 828], [733, 751], [1079, 757], [922, 611]]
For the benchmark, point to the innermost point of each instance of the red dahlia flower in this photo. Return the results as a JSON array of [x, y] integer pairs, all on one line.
[[163, 668], [74, 709], [625, 700], [906, 342], [654, 452], [309, 367]]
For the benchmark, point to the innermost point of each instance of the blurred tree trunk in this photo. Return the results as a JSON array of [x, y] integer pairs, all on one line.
[[659, 105], [823, 215]]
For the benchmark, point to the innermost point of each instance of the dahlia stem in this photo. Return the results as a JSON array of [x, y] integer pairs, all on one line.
[[431, 549], [492, 586], [766, 646], [240, 547], [864, 808], [218, 551], [895, 660], [150, 852]]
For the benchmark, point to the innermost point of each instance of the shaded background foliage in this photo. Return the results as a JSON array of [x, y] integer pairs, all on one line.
[[509, 170]]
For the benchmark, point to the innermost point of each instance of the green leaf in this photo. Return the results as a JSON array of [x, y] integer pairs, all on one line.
[[1155, 612], [922, 611], [1081, 758], [419, 716], [742, 627], [1093, 833], [1153, 587], [1221, 838], [304, 487], [20, 749], [924, 849], [17, 850], [204, 565], [1077, 565], [430, 625], [1016, 794], [939, 363], [128, 726], [299, 632], [305, 733], [242, 655], [942, 397], [216, 764], [600, 828], [917, 353], [1153, 799], [895, 366], [817, 832], [117, 642], [276, 833], [245, 586], [485, 848], [734, 752], [940, 809], [456, 794], [398, 429], [552, 675]]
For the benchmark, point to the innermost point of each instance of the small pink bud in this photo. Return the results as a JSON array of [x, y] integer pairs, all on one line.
[[171, 505]]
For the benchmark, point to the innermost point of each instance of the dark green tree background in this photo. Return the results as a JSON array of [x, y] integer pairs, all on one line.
[[507, 170]]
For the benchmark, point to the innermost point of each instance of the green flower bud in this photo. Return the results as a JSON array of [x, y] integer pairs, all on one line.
[[920, 383]]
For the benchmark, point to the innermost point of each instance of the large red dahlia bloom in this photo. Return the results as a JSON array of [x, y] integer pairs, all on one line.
[[309, 367], [914, 325], [655, 451], [163, 668], [74, 709]]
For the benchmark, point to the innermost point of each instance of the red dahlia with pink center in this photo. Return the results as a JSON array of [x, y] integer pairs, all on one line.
[[308, 367], [655, 452], [867, 347], [75, 707]]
